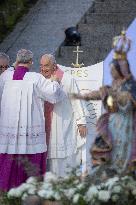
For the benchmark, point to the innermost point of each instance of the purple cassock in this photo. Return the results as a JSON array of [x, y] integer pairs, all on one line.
[[16, 168]]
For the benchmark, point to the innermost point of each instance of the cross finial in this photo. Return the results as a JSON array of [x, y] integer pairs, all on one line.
[[77, 65]]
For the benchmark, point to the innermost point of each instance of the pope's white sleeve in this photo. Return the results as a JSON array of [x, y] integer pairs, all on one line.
[[78, 105], [50, 91]]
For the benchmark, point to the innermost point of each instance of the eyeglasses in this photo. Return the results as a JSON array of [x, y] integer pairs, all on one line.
[[4, 66]]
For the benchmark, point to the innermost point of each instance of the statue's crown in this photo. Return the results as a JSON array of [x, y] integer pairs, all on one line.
[[121, 45], [123, 32]]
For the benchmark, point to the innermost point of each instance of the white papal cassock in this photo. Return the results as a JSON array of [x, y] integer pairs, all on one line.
[[65, 141], [23, 132]]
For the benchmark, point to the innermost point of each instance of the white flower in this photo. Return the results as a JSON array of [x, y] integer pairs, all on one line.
[[46, 194], [11, 192], [66, 177], [130, 186], [78, 172], [101, 186], [57, 196], [23, 187], [115, 198], [46, 185], [116, 189], [110, 182], [31, 180], [76, 182], [24, 196], [49, 176], [110, 101], [14, 192], [126, 178], [91, 193], [42, 193], [70, 192], [104, 195], [80, 186], [76, 198], [49, 194], [32, 190], [18, 191], [134, 192]]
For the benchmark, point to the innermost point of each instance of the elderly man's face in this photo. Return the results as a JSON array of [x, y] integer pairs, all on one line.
[[4, 64], [47, 68]]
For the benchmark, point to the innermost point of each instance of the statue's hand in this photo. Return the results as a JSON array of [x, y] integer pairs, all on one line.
[[104, 90], [76, 96]]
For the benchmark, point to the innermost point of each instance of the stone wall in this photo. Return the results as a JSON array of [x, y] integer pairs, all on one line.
[[10, 12], [104, 20]]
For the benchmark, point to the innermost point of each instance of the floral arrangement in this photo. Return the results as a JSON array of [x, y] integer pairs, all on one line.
[[73, 190]]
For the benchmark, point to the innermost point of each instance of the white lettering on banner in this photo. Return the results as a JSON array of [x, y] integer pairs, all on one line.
[[88, 79]]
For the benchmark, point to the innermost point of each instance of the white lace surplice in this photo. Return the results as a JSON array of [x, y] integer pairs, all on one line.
[[22, 124], [20, 131]]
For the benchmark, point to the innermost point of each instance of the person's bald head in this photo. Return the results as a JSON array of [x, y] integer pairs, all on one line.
[[47, 65]]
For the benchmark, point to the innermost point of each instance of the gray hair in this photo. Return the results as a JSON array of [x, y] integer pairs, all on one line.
[[24, 56], [50, 57], [5, 57]]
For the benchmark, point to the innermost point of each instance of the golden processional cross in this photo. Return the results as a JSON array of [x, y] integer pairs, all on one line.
[[77, 65]]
